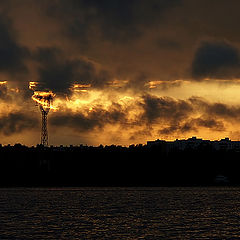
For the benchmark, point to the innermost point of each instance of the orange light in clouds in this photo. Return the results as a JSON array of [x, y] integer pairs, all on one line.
[[33, 85], [16, 90], [3, 82], [44, 99], [82, 88], [81, 85], [156, 83], [116, 83]]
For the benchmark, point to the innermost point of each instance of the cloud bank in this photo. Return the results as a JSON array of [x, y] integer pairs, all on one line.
[[121, 48]]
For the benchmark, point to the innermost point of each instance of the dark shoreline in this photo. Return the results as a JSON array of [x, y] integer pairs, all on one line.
[[116, 166]]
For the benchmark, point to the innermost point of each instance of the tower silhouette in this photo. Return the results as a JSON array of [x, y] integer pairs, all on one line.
[[44, 132], [44, 101]]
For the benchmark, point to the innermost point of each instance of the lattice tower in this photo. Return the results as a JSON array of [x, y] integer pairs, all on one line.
[[44, 132]]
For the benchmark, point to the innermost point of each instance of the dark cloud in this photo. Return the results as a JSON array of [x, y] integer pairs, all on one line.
[[58, 72], [4, 92], [224, 111], [203, 121], [168, 112], [55, 73], [157, 37], [16, 122], [138, 81], [12, 54], [168, 44], [192, 124], [97, 118], [165, 108], [208, 123], [179, 115], [116, 20], [216, 60]]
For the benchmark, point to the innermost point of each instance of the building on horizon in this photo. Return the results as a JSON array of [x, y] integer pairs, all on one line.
[[195, 143]]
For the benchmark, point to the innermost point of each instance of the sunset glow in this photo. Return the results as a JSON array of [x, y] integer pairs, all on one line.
[[44, 99], [119, 82]]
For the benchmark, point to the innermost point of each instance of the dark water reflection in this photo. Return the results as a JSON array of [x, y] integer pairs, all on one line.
[[117, 213]]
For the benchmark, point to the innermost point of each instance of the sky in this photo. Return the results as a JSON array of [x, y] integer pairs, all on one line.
[[123, 71]]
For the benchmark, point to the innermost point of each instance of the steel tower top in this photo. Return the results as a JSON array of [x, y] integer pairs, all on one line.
[[44, 100]]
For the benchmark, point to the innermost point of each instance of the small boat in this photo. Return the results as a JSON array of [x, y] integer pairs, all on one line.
[[220, 179]]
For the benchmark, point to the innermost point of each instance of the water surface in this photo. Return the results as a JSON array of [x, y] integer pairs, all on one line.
[[120, 213]]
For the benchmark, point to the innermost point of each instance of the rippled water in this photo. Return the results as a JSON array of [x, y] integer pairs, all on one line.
[[117, 213]]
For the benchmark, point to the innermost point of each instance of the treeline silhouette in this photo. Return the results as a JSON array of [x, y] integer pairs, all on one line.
[[136, 165]]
